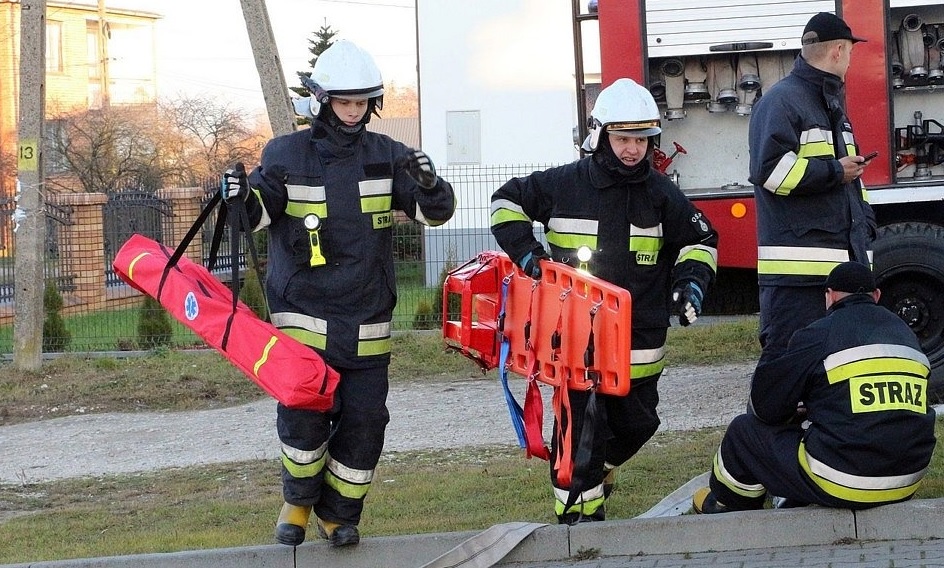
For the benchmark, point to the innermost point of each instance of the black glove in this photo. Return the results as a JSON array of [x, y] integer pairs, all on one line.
[[235, 185], [686, 301], [421, 169], [529, 263]]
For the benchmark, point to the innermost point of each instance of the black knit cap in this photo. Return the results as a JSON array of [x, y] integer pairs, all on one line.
[[826, 27], [851, 277]]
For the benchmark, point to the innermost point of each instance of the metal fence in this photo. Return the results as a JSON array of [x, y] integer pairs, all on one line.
[[422, 255]]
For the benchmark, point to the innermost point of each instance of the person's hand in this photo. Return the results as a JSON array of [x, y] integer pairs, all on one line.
[[686, 301], [235, 185], [421, 169], [530, 262], [852, 167]]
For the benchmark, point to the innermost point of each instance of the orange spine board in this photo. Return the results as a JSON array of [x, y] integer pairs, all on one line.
[[565, 300]]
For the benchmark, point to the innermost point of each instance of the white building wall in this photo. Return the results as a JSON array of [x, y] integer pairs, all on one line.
[[508, 66], [510, 60]]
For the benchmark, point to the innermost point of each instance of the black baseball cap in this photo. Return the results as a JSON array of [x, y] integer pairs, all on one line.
[[826, 27], [851, 277]]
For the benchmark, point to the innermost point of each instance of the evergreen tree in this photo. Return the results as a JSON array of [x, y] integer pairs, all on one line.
[[56, 337], [322, 40], [154, 327]]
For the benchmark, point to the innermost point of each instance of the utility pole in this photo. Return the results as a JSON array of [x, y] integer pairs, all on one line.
[[30, 228], [103, 34], [266, 54]]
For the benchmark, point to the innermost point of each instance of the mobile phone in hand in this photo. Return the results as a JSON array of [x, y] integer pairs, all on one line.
[[870, 155]]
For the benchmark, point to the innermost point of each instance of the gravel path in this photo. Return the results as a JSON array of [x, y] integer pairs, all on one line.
[[440, 415]]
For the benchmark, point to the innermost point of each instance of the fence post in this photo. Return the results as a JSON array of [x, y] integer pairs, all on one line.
[[186, 204], [82, 247]]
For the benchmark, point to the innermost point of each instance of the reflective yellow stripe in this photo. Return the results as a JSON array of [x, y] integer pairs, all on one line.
[[133, 262], [879, 366], [373, 347], [857, 488], [316, 340], [265, 355], [306, 329], [700, 253], [795, 267], [376, 204], [296, 209], [349, 482], [374, 339], [504, 211], [572, 242], [645, 244], [304, 463], [646, 363], [745, 490], [587, 502]]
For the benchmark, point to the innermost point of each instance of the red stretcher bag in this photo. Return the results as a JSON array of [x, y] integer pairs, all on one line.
[[292, 373]]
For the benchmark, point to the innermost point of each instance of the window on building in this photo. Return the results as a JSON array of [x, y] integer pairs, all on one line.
[[54, 134], [463, 137], [93, 59], [54, 47]]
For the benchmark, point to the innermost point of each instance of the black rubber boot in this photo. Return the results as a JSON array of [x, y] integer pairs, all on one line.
[[337, 534], [290, 528]]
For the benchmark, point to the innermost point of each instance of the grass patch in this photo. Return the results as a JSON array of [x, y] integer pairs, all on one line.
[[236, 504]]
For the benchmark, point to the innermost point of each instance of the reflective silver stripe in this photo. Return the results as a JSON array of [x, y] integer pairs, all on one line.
[[816, 136], [646, 356], [374, 187], [781, 171], [505, 204], [304, 457], [734, 484], [588, 495], [802, 253], [264, 220], [349, 474], [292, 319], [871, 483], [873, 351], [635, 231], [374, 330], [573, 226], [306, 193]]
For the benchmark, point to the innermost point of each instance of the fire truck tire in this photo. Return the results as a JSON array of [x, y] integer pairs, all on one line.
[[734, 292], [909, 269]]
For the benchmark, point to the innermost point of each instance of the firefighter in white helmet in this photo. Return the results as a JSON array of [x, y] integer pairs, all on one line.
[[642, 234], [327, 197]]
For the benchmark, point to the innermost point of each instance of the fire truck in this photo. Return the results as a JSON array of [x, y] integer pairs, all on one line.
[[707, 62]]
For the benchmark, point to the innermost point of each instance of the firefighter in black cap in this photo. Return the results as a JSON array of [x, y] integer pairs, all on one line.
[[869, 433]]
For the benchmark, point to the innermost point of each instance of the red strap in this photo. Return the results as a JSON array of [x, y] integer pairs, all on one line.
[[564, 462], [533, 404], [534, 422]]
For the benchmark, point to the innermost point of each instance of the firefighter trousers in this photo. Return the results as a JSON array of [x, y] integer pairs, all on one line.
[[756, 458], [783, 310], [328, 458]]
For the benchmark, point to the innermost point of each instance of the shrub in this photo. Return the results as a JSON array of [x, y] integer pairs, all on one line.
[[56, 337], [425, 316], [251, 292], [154, 327]]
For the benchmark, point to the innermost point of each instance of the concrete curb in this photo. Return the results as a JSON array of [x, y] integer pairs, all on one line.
[[917, 519]]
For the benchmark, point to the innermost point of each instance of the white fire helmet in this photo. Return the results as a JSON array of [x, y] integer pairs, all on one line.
[[626, 107], [343, 70]]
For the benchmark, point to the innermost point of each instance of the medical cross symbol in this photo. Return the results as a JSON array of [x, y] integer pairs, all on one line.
[[191, 309]]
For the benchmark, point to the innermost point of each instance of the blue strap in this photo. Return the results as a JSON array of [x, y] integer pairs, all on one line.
[[514, 409]]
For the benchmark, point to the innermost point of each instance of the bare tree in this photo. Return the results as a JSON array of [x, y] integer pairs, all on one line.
[[103, 150], [180, 142], [202, 137]]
